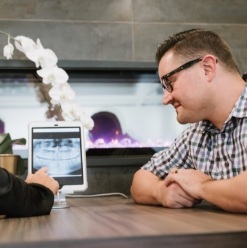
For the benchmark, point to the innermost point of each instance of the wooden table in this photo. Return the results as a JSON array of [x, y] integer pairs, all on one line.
[[118, 222]]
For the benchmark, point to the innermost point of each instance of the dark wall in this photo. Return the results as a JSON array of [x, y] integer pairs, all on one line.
[[121, 30]]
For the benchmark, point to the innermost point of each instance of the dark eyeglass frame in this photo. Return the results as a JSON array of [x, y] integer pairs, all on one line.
[[164, 79]]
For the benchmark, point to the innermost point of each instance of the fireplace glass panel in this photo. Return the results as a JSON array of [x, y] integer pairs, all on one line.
[[125, 103]]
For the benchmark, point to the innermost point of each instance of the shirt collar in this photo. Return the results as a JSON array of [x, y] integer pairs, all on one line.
[[239, 111], [240, 108]]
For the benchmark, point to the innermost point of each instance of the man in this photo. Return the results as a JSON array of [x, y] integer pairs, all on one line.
[[208, 161], [19, 198]]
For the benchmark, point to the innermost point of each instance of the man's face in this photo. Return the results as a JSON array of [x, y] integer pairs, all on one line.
[[188, 96]]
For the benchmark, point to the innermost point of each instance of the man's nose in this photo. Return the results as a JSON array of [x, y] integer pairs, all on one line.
[[167, 97]]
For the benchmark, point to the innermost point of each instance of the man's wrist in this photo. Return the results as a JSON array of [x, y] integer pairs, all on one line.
[[205, 188], [158, 192]]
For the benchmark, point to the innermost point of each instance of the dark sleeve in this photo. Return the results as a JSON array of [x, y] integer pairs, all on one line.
[[19, 199]]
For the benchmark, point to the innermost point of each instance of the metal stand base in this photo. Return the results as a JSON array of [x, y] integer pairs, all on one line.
[[60, 201]]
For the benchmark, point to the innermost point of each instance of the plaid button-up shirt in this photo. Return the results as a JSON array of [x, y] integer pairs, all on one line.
[[219, 153]]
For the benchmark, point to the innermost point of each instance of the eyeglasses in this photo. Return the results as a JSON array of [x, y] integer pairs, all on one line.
[[164, 80]]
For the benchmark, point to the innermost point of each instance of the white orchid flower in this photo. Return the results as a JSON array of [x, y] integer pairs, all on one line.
[[62, 92], [73, 111], [43, 58], [24, 44], [36, 52], [87, 121], [54, 102], [8, 51], [53, 75]]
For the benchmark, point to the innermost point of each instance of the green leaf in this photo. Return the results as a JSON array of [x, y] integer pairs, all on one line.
[[6, 143]]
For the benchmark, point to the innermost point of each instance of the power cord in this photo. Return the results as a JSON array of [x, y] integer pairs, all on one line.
[[98, 195]]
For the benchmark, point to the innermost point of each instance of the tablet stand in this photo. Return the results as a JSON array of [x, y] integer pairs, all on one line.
[[60, 201]]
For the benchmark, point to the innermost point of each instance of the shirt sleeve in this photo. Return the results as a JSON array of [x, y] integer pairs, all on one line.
[[177, 155], [19, 199]]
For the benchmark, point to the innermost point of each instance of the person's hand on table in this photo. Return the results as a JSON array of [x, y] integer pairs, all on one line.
[[176, 197], [42, 177], [190, 180]]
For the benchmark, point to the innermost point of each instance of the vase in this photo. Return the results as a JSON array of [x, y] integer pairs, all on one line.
[[9, 162]]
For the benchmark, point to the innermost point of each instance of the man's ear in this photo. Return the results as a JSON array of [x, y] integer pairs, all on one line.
[[209, 65]]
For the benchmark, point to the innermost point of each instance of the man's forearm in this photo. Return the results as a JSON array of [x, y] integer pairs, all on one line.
[[144, 188], [228, 194]]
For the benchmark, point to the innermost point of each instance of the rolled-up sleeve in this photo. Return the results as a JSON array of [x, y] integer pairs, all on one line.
[[175, 155]]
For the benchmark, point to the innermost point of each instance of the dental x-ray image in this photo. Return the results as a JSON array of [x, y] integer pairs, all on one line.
[[61, 156]]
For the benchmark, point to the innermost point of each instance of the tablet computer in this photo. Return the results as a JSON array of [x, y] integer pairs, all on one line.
[[60, 147]]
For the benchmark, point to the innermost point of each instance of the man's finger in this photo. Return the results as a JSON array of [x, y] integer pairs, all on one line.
[[169, 179]]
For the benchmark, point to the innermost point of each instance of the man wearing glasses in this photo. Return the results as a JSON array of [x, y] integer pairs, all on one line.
[[208, 161]]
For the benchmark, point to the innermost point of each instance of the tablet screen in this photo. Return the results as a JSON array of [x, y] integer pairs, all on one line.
[[60, 149]]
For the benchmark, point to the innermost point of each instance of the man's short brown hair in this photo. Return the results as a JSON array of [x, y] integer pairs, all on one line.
[[195, 43]]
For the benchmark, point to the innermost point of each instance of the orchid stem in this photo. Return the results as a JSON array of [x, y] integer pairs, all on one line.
[[9, 36]]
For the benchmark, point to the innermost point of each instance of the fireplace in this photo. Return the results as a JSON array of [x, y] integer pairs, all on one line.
[[123, 98]]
